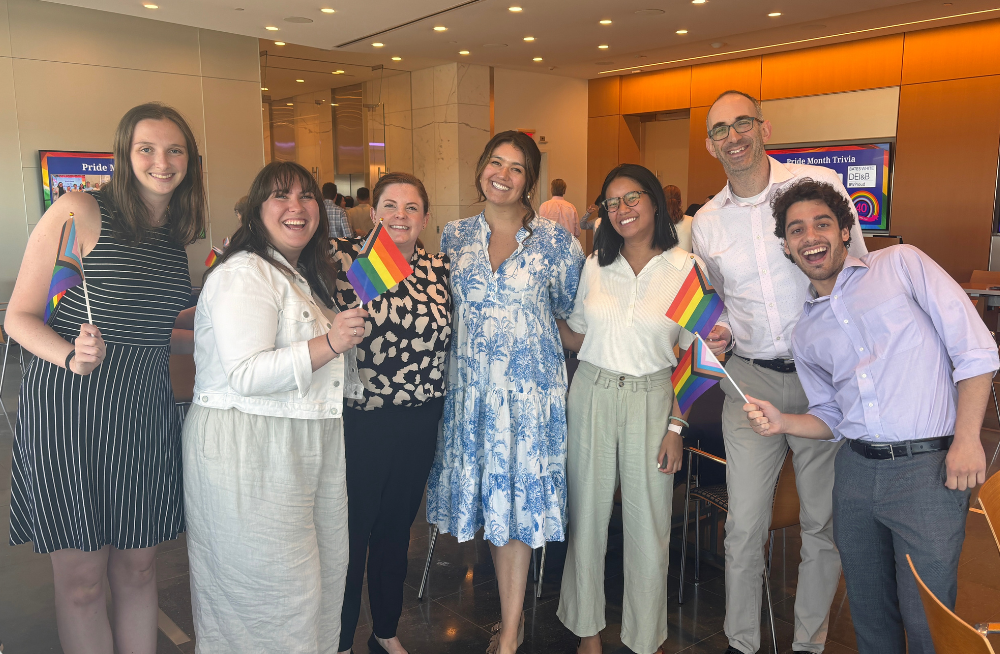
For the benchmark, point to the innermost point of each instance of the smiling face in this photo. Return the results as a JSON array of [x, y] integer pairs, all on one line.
[[634, 224], [401, 210], [290, 218], [815, 242], [159, 157], [738, 153], [503, 179]]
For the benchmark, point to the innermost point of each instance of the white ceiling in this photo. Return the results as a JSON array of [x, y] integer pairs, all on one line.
[[567, 32]]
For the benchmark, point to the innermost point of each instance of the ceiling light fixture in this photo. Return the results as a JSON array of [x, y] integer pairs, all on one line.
[[605, 22], [397, 58], [151, 6], [338, 72], [289, 104], [537, 59], [263, 88], [529, 38], [440, 28], [463, 52], [602, 47], [514, 9], [682, 31], [774, 14], [271, 28], [377, 45], [327, 10], [279, 43], [300, 81], [698, 2]]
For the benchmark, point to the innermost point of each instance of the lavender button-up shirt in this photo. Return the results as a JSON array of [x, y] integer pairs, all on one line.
[[880, 357]]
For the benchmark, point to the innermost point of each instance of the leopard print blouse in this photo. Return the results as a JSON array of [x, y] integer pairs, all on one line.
[[402, 358]]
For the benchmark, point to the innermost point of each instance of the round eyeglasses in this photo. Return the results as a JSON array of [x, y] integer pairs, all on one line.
[[742, 126], [611, 205]]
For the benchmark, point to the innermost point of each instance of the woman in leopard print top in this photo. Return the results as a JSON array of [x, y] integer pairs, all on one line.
[[390, 434]]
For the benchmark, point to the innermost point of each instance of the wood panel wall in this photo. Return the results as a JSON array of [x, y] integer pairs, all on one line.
[[945, 176]]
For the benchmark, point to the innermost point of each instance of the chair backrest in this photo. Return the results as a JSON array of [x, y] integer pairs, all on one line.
[[985, 277], [182, 377], [785, 510], [989, 499], [951, 634], [880, 241]]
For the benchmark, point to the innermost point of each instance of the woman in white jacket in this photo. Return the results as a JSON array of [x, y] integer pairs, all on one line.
[[264, 484]]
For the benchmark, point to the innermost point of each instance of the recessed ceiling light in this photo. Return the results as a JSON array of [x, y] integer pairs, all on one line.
[[698, 2], [263, 88], [463, 52], [515, 9], [338, 72], [537, 59], [300, 81], [271, 28], [440, 28], [151, 6], [529, 38], [377, 45], [774, 14], [279, 43], [602, 47], [397, 58], [327, 10], [605, 22], [290, 104], [682, 31]]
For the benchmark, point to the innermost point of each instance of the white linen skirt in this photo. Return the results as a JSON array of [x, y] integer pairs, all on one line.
[[266, 504]]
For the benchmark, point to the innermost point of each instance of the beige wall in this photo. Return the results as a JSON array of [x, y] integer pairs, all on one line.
[[556, 108], [68, 74], [665, 152], [833, 117]]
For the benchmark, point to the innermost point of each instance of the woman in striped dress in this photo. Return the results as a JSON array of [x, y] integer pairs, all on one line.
[[96, 479]]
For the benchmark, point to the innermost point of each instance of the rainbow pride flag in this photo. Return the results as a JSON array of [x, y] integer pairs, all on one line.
[[697, 306], [213, 254], [379, 266], [697, 371], [68, 271]]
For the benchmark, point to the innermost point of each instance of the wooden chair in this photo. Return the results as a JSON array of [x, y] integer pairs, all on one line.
[[989, 499], [951, 634], [784, 514]]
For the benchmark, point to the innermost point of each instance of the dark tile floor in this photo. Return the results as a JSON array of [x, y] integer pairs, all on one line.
[[462, 599]]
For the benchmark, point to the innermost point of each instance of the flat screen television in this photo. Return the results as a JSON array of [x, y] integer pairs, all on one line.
[[864, 168], [72, 172]]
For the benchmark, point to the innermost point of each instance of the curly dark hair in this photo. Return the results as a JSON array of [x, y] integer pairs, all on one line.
[[807, 189]]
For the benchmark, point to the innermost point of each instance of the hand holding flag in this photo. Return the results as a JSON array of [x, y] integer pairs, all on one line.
[[68, 271], [379, 266]]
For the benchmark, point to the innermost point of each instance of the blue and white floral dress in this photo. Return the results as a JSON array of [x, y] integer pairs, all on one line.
[[501, 453]]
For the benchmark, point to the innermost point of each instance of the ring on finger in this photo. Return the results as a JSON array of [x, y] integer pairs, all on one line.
[[354, 332]]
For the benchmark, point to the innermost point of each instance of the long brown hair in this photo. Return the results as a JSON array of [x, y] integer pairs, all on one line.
[[130, 217], [315, 262], [674, 208], [532, 165]]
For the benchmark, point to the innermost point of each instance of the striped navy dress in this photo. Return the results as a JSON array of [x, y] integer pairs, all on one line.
[[97, 458]]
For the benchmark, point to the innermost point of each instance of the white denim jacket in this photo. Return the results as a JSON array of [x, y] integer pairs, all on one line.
[[250, 344]]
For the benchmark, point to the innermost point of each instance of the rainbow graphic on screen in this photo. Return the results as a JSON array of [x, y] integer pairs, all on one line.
[[866, 205]]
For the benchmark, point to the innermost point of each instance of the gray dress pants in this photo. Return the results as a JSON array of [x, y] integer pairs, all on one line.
[[754, 462], [884, 510]]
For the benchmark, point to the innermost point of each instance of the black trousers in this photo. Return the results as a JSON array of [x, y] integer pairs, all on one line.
[[389, 455]]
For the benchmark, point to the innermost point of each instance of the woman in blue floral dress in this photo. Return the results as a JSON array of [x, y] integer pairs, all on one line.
[[501, 454]]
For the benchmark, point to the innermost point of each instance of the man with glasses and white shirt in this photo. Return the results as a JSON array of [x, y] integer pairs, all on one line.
[[764, 293]]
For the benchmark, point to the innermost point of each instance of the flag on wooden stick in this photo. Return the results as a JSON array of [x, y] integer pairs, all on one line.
[[697, 306], [379, 266], [68, 271]]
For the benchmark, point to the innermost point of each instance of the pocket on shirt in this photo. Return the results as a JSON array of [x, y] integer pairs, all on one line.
[[299, 322], [892, 327]]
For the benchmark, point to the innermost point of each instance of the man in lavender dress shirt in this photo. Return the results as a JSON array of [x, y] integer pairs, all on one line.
[[895, 360]]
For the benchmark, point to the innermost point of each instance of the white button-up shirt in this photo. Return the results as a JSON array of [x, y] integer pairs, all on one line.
[[763, 290], [251, 351], [623, 315]]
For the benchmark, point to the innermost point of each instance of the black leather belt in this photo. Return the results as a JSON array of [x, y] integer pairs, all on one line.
[[901, 449], [777, 365]]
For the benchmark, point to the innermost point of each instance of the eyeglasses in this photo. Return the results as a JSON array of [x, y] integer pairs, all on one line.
[[630, 199], [742, 126]]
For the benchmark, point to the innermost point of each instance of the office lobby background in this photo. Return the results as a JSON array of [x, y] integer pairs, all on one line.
[[924, 74]]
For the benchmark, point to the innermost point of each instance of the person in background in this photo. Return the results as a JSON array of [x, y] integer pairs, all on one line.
[[264, 470], [340, 227], [360, 216], [240, 208], [341, 202], [623, 420], [62, 189], [390, 434], [591, 219], [896, 361], [96, 473], [764, 294], [501, 454], [559, 210], [348, 202], [682, 223]]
